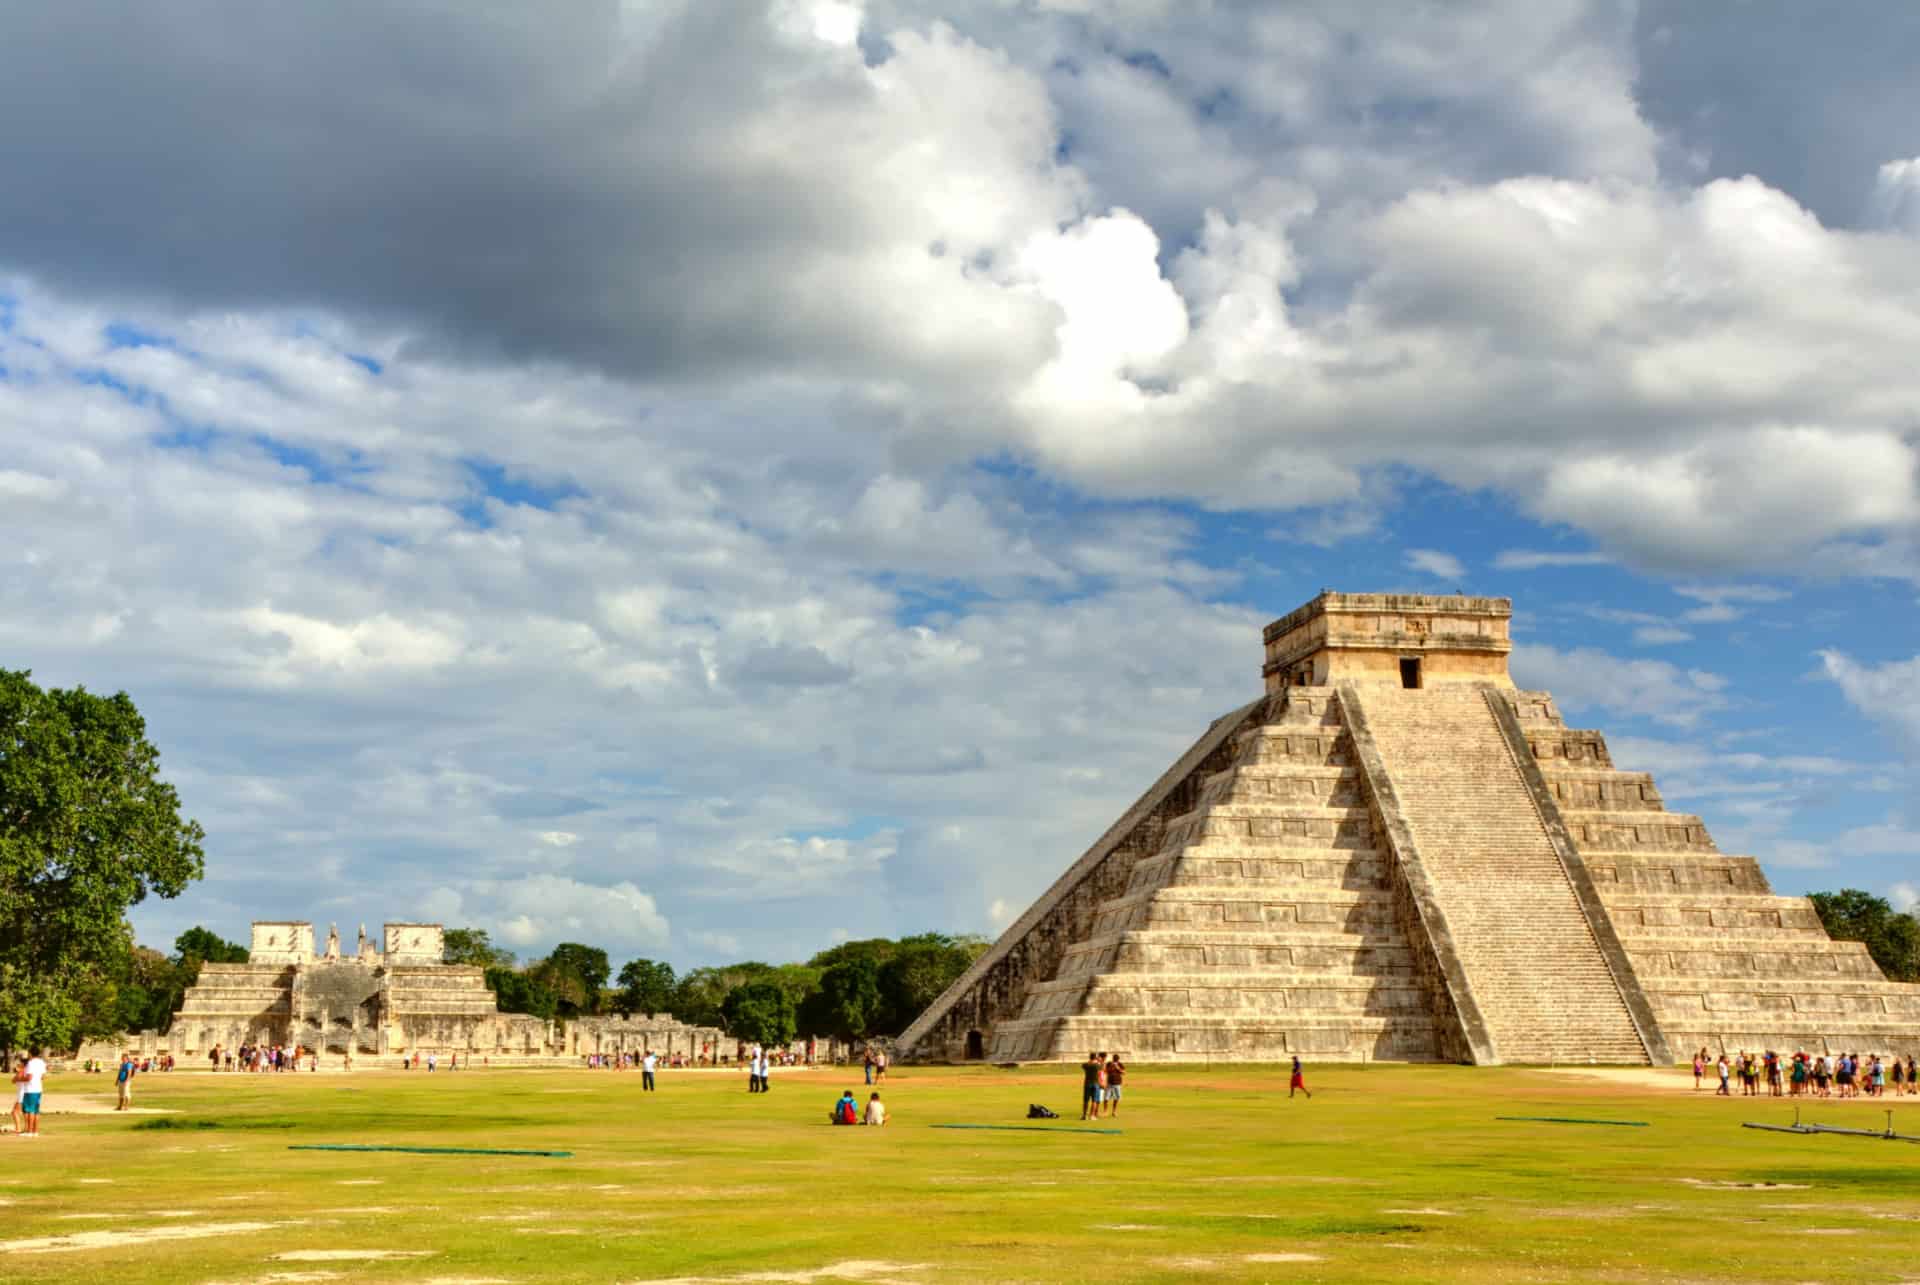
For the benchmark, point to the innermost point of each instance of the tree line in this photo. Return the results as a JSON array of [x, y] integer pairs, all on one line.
[[856, 990]]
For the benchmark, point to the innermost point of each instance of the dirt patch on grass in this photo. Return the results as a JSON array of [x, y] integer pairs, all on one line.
[[83, 1240], [1285, 1258], [854, 1269], [1721, 1184], [344, 1255], [1438, 1213]]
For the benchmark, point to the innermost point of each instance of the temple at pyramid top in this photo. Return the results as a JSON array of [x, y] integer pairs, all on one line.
[[1394, 853], [1404, 639]]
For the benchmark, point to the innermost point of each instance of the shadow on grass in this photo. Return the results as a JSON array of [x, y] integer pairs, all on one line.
[[168, 1122]]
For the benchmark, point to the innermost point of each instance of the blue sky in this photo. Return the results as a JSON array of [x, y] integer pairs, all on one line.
[[713, 479]]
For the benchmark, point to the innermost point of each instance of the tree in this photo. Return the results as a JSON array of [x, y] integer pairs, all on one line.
[[699, 995], [208, 947], [87, 829], [848, 1000], [761, 1012], [587, 965], [645, 987], [517, 992], [920, 969], [1893, 939], [473, 946]]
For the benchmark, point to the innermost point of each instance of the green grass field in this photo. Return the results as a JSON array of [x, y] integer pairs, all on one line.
[[1390, 1172]]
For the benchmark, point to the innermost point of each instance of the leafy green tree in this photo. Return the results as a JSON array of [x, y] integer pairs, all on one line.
[[1892, 938], [587, 964], [518, 992], [87, 829], [848, 1001], [700, 994], [920, 969], [760, 1011], [646, 986], [473, 946], [208, 947], [878, 950]]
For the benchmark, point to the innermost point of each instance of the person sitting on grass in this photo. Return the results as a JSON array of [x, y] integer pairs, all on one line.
[[845, 1111], [876, 1111]]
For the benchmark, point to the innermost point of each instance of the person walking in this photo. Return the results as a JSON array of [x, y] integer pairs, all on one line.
[[869, 1063], [647, 1062], [30, 1096], [1298, 1082], [124, 1081], [1726, 1077]]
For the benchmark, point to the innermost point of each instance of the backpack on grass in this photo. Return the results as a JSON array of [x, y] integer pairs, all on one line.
[[1037, 1112]]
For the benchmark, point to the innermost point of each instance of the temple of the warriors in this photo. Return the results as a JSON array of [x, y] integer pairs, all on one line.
[[397, 996], [1395, 854]]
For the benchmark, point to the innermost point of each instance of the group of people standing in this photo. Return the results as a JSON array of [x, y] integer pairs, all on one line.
[[1103, 1077], [29, 1081], [1845, 1075]]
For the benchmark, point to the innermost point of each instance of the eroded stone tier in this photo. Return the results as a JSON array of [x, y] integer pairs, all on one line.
[[1416, 862]]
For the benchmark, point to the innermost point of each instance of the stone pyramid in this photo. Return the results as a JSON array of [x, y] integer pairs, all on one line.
[[1394, 854]]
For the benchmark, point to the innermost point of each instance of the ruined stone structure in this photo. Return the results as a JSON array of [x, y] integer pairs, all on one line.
[[1395, 854], [400, 998], [661, 1034]]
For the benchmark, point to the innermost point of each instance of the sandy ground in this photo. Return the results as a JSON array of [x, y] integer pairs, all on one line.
[[1677, 1079]]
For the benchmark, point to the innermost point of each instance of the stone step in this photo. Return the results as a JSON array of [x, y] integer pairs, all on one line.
[[1637, 913], [1614, 871], [1198, 1038], [1721, 995], [1253, 997], [1639, 831], [1568, 746], [1199, 867], [1601, 789]]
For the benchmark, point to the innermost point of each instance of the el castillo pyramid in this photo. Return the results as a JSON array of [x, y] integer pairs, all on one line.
[[1394, 854]]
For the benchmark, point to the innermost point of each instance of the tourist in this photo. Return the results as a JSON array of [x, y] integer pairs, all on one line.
[[1913, 1078], [869, 1063], [1879, 1074], [1090, 1086], [1699, 1068], [30, 1095], [766, 1065], [433, 1060], [1725, 1070], [1298, 1082], [125, 1082], [1798, 1087], [19, 1096], [647, 1063], [845, 1111], [880, 1066], [1116, 1080], [876, 1112]]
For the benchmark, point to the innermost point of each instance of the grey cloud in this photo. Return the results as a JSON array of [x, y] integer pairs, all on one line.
[[790, 666]]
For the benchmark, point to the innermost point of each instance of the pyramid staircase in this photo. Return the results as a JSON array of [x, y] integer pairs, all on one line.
[[1262, 925], [1726, 963], [1397, 855]]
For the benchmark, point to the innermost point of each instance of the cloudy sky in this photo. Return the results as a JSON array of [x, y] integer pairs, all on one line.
[[711, 477]]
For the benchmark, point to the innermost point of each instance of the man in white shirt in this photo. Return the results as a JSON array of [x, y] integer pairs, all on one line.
[[30, 1095], [647, 1063], [876, 1111]]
